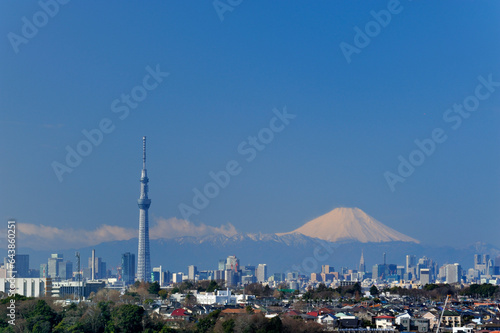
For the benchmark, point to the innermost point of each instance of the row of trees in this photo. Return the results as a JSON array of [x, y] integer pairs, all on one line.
[[324, 292], [253, 323], [429, 291], [45, 316], [440, 291]]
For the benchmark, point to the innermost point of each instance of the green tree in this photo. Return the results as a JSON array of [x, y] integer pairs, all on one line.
[[43, 318], [71, 320], [228, 326], [483, 290], [163, 294], [274, 325], [154, 288], [207, 324], [212, 286], [15, 297], [374, 290], [127, 318]]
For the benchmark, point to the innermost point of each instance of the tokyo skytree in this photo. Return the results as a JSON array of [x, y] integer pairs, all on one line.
[[143, 257]]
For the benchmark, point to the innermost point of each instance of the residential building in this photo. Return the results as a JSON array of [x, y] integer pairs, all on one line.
[[414, 325], [384, 322], [451, 319]]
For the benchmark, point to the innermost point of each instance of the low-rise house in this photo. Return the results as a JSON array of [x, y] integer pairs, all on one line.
[[292, 313], [405, 315], [328, 320], [183, 314], [433, 319], [238, 311], [384, 322], [451, 319], [347, 320], [414, 325], [462, 330], [164, 311]]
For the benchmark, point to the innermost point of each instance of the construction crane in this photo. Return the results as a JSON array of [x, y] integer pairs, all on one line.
[[442, 313]]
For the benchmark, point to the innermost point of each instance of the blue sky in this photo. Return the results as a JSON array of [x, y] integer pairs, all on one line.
[[225, 78]]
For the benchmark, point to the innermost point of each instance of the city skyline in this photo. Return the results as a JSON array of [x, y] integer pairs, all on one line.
[[279, 123], [411, 269]]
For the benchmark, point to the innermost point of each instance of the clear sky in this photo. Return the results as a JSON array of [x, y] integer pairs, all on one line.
[[360, 100]]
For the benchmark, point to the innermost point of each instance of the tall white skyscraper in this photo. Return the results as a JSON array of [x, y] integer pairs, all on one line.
[[192, 271], [262, 273]]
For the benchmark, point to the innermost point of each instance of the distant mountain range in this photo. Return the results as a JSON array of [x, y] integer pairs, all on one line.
[[281, 253], [336, 238]]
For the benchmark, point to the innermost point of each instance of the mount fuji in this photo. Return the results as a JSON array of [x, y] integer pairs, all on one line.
[[350, 224]]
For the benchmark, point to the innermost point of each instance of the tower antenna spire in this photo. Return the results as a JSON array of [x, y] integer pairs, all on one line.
[[144, 152]]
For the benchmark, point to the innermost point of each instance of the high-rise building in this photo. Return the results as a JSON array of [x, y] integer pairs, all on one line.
[[177, 277], [232, 263], [262, 273], [410, 269], [425, 276], [128, 267], [411, 261], [143, 257], [230, 276], [278, 277], [400, 270], [65, 270], [53, 265], [22, 265], [159, 276], [362, 267], [453, 273], [327, 269], [43, 271], [99, 268], [481, 263], [103, 271], [248, 271], [192, 271], [378, 272]]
